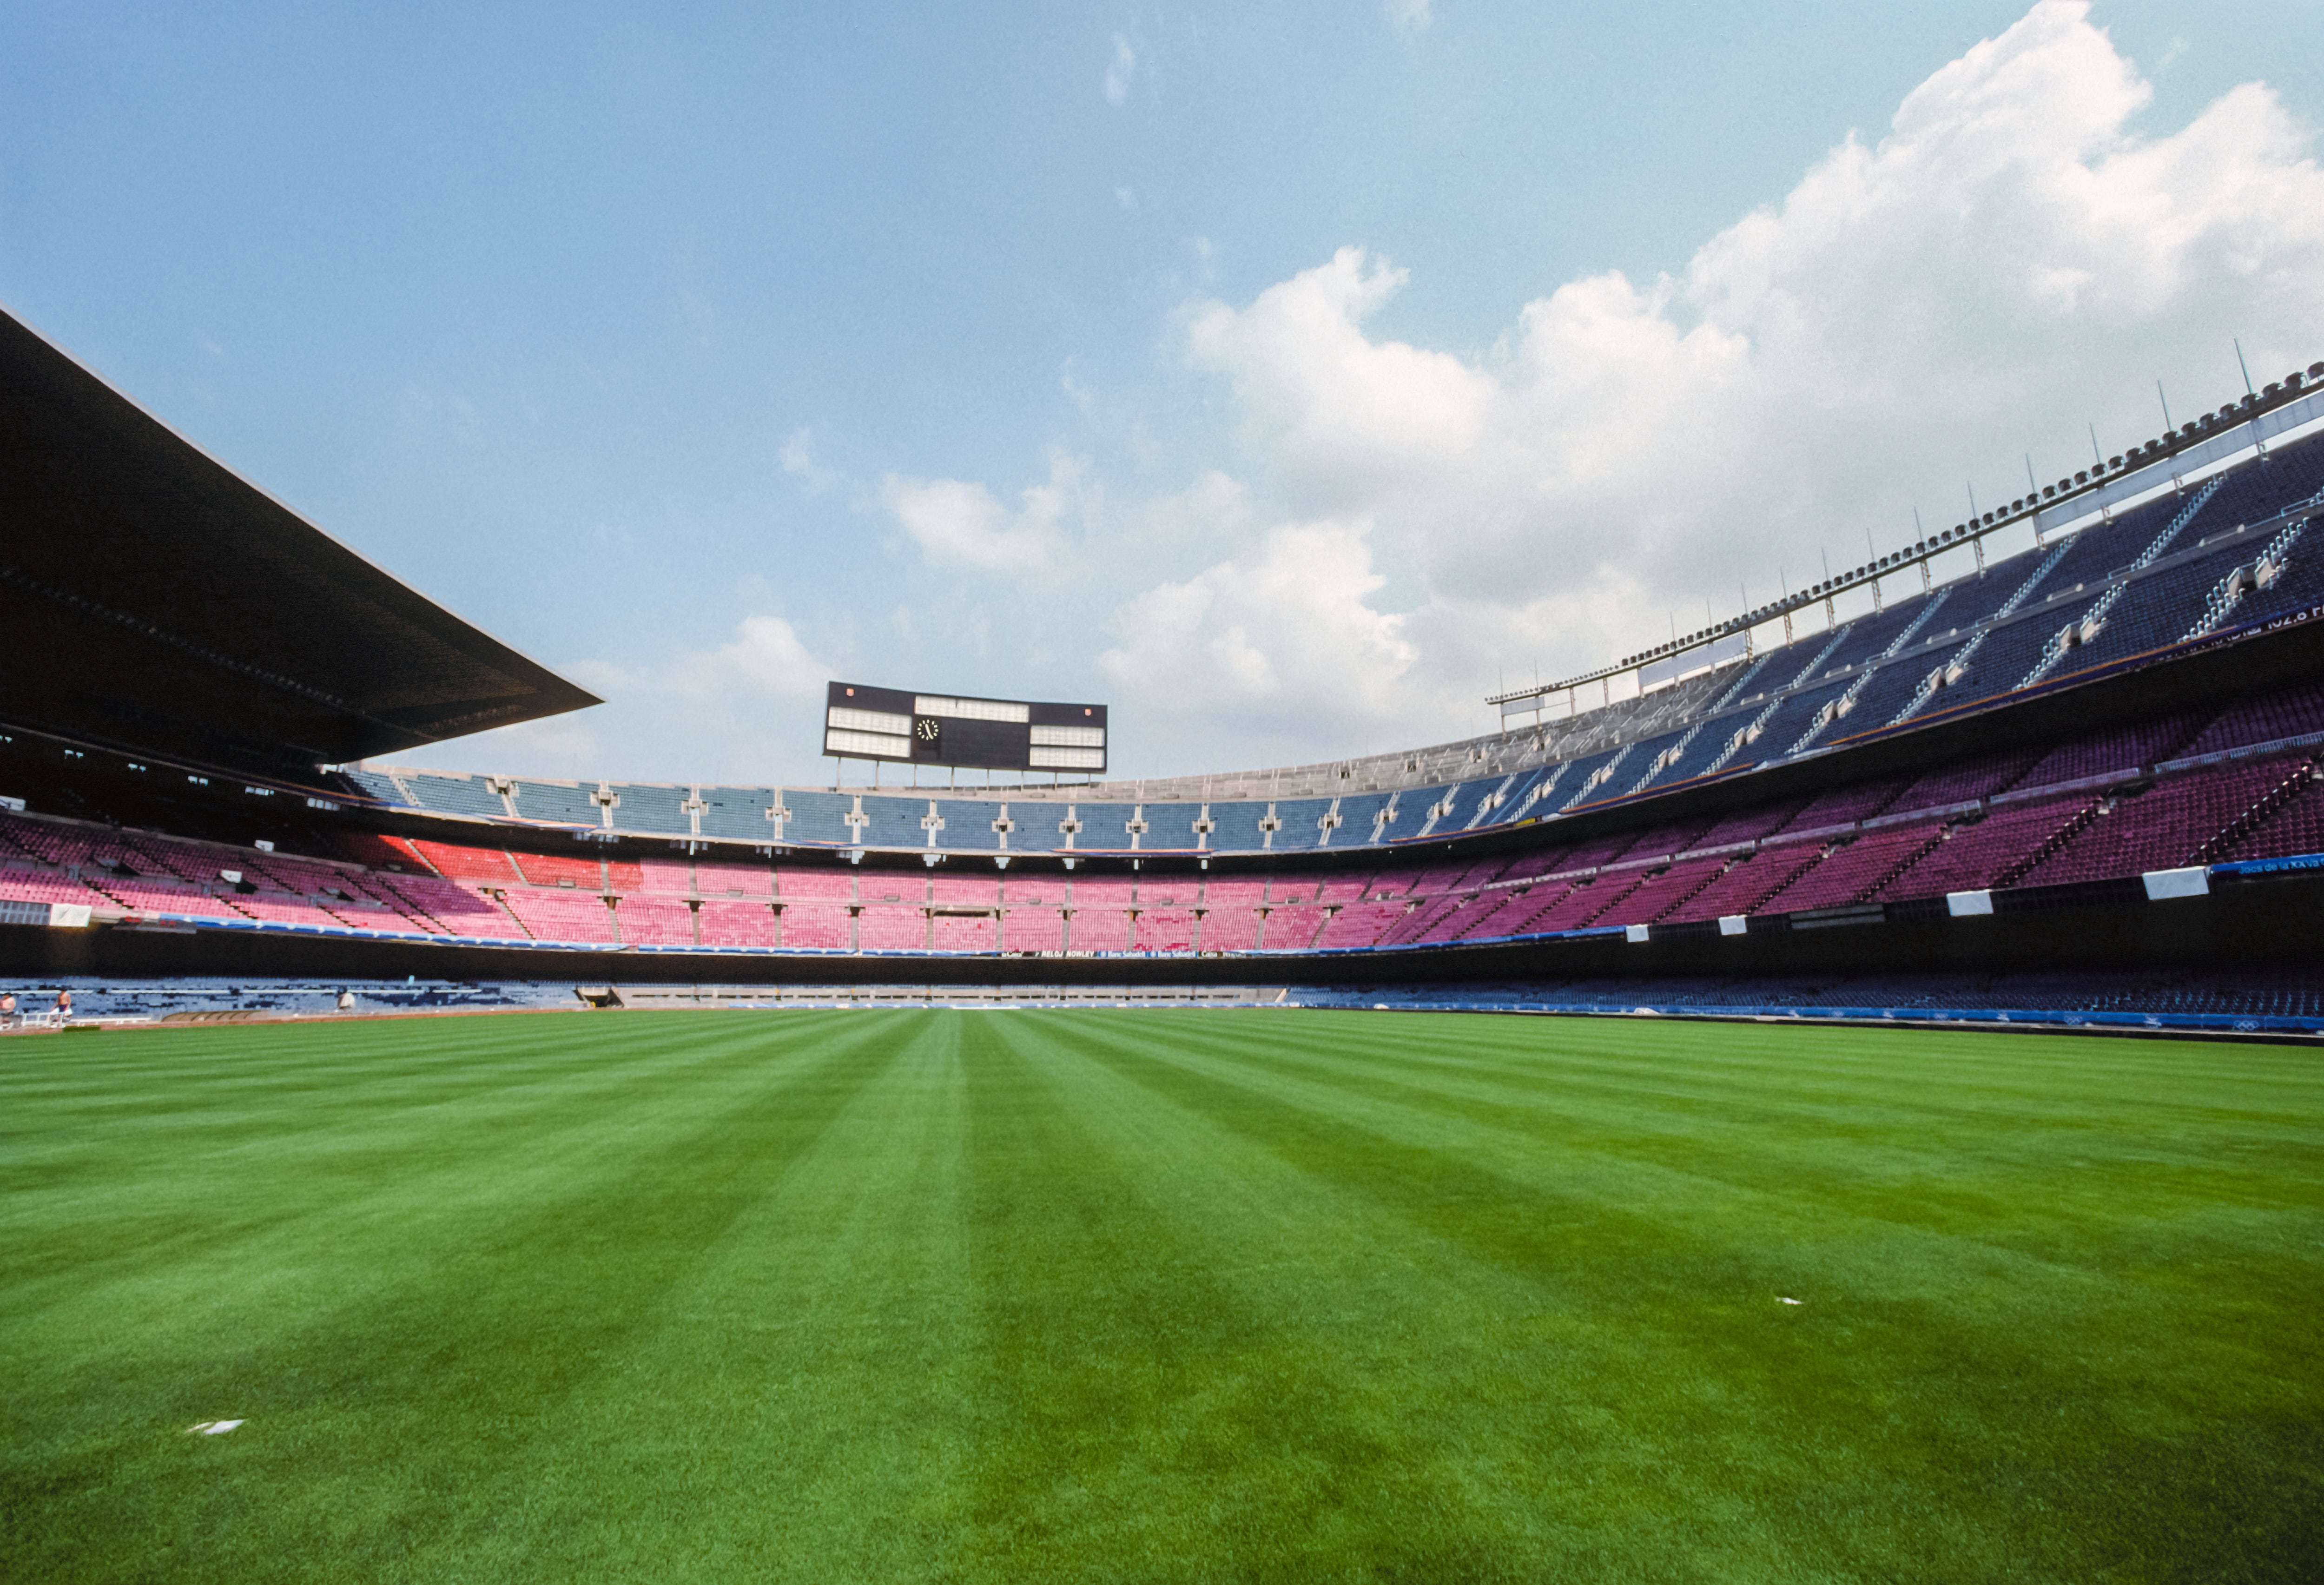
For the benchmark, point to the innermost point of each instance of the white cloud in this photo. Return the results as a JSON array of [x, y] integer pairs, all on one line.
[[1965, 290], [1285, 627], [1386, 524], [764, 660], [738, 710], [1411, 15], [1119, 70], [960, 522], [796, 455]]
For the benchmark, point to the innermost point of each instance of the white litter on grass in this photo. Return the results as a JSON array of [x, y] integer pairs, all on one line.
[[1781, 1299], [212, 1428]]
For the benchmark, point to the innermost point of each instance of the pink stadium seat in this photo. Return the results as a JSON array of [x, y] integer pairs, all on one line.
[[651, 921], [1522, 912], [1467, 912], [816, 924], [1849, 873], [1748, 824], [2297, 826], [1586, 904], [560, 870], [746, 924], [1294, 926], [1102, 891], [1660, 894], [2166, 827], [1354, 923], [1743, 889], [1229, 928], [1978, 777], [663, 877], [2293, 711], [966, 933], [716, 879], [1032, 929], [1594, 855], [469, 863], [1033, 890], [561, 916], [1844, 806], [1973, 857], [47, 886], [882, 928], [2121, 748], [1099, 929], [821, 885], [1164, 930], [1495, 914]]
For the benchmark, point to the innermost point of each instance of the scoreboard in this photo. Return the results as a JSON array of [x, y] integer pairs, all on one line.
[[902, 727]]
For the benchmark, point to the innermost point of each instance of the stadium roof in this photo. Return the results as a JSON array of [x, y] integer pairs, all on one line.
[[159, 603]]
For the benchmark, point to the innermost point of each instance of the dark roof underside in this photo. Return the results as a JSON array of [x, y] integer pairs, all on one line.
[[154, 601]]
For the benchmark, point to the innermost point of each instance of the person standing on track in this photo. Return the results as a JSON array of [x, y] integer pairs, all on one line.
[[7, 1010], [63, 1012]]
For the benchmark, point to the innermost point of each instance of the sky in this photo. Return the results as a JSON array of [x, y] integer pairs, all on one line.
[[1287, 378]]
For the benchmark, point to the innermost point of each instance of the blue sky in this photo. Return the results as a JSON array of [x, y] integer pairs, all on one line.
[[1280, 375]]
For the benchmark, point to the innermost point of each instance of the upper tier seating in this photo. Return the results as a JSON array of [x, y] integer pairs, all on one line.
[[968, 824], [566, 803], [650, 807], [1104, 827], [739, 814], [457, 795], [1170, 827]]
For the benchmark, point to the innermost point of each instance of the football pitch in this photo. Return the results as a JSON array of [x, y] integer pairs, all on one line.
[[902, 1295]]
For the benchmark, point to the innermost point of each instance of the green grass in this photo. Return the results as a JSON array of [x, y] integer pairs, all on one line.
[[1155, 1295]]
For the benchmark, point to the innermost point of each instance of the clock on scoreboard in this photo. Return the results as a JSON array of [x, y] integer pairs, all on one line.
[[860, 721]]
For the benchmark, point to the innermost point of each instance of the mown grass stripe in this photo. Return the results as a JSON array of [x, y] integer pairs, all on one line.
[[934, 1295]]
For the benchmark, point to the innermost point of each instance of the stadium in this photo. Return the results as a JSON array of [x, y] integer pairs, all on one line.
[[2075, 785], [1832, 1094]]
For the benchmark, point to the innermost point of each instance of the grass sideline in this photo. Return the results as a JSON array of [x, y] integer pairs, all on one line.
[[1157, 1294]]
